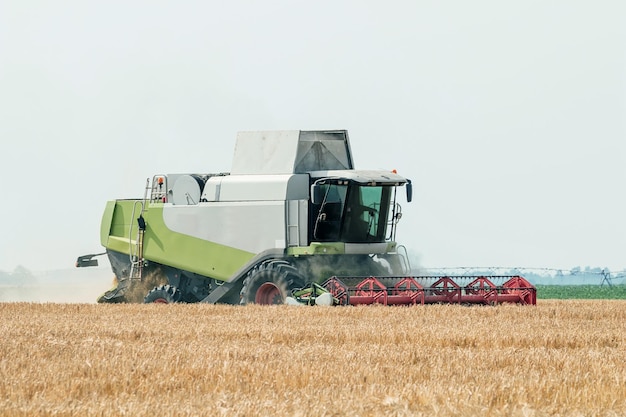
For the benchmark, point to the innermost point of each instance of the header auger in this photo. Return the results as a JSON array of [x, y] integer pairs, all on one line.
[[293, 222]]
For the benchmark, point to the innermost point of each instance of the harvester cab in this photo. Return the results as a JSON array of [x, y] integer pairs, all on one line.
[[356, 207], [292, 221]]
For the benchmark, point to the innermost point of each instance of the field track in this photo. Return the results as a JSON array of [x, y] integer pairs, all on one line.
[[557, 358]]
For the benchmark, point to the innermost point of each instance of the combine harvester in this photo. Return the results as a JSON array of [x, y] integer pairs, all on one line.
[[293, 222]]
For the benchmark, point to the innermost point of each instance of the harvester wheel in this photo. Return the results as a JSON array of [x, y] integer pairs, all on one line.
[[165, 294], [270, 283]]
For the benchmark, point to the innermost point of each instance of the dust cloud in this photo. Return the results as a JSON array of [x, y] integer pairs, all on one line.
[[79, 285], [86, 285]]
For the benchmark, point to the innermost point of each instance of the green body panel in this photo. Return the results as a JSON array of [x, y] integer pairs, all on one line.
[[164, 246], [107, 220], [318, 248]]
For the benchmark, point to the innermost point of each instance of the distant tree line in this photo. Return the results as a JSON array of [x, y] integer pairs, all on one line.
[[19, 277]]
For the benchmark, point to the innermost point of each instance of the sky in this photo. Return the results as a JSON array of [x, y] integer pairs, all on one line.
[[509, 117]]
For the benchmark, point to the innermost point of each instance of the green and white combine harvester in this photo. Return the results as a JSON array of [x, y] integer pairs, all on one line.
[[293, 222]]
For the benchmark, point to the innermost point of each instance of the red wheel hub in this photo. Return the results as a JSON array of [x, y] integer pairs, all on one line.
[[160, 301], [268, 293]]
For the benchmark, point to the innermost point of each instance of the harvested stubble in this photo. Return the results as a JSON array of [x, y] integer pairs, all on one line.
[[558, 358]]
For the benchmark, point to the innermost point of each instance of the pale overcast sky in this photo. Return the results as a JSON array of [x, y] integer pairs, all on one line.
[[509, 116]]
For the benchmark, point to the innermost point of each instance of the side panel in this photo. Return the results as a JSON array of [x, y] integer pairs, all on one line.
[[106, 223], [251, 226], [166, 246], [297, 222]]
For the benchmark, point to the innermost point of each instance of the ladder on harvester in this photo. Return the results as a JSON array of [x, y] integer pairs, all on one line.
[[136, 257]]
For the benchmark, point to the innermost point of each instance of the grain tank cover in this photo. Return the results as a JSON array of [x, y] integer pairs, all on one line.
[[291, 152]]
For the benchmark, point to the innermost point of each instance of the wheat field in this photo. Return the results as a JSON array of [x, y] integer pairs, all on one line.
[[557, 358]]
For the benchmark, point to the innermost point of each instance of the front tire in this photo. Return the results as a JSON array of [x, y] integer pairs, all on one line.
[[165, 294], [270, 282]]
